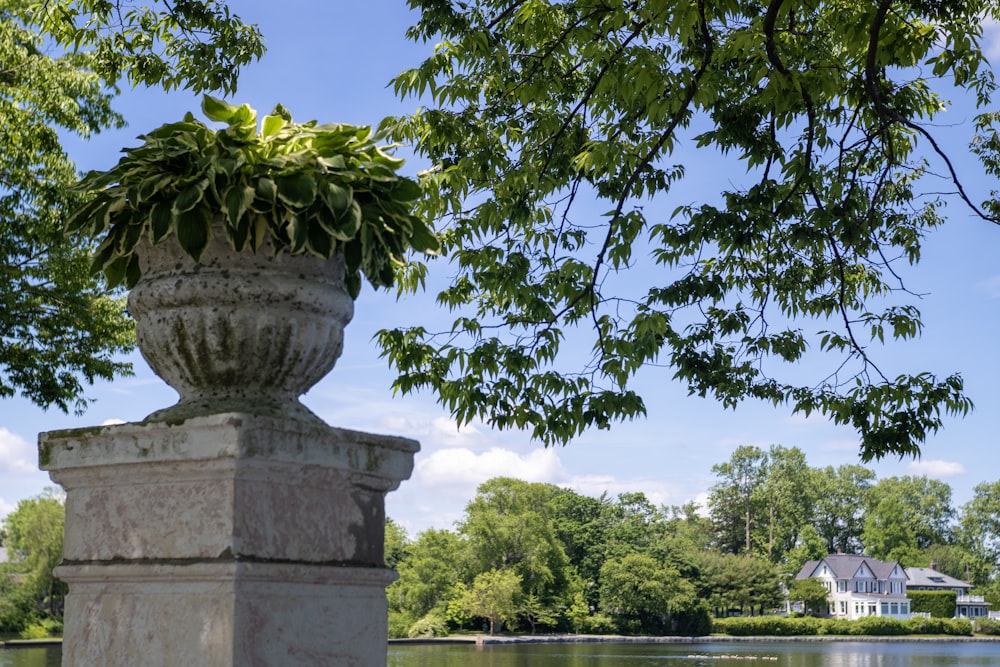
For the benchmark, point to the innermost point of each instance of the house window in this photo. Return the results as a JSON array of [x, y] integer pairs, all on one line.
[[895, 608], [904, 608], [885, 609], [871, 609], [842, 586], [843, 608]]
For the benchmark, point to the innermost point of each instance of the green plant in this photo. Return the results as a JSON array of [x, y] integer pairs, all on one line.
[[427, 627], [939, 604], [300, 187], [987, 626], [35, 631]]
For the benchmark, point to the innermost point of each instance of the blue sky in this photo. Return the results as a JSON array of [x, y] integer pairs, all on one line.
[[332, 61]]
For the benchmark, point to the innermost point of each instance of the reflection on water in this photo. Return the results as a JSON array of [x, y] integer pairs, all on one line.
[[49, 656], [867, 654], [836, 654]]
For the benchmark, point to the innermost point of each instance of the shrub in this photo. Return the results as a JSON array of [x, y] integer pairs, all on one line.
[[939, 604], [961, 627], [35, 631], [987, 626], [836, 626], [598, 624], [878, 626], [694, 622], [427, 627], [919, 625]]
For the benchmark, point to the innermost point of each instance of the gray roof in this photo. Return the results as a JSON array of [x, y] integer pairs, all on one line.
[[925, 576], [845, 566]]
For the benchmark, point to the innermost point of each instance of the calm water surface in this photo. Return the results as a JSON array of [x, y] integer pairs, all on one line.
[[50, 656], [690, 655], [648, 655]]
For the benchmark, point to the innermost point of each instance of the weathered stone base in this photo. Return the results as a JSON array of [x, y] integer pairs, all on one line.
[[224, 614], [229, 539]]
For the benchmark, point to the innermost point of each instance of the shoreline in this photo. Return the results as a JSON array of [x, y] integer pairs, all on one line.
[[485, 640]]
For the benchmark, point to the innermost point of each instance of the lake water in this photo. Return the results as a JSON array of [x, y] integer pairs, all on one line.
[[832, 654], [835, 654]]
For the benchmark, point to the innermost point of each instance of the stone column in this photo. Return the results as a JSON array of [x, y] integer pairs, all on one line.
[[230, 539]]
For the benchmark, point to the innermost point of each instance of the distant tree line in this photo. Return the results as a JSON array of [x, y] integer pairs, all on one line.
[[30, 596], [535, 557]]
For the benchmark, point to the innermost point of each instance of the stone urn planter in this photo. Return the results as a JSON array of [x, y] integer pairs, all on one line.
[[236, 528], [238, 331]]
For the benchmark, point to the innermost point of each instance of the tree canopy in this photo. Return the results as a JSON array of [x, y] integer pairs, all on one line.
[[554, 130], [60, 62]]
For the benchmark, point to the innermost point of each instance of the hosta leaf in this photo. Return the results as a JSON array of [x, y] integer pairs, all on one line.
[[271, 126], [297, 190], [194, 230], [190, 196], [238, 199], [218, 110], [337, 197], [161, 221]]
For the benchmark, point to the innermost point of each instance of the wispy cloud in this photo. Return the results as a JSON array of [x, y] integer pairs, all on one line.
[[17, 455], [5, 508], [936, 468], [459, 470]]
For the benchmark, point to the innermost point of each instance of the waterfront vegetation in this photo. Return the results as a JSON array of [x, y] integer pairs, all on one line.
[[537, 558]]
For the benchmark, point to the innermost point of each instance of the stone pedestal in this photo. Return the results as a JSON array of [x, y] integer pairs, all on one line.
[[225, 540]]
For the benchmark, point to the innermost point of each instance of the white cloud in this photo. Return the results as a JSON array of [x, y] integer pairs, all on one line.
[[17, 455], [459, 470], [936, 468], [114, 421], [5, 508]]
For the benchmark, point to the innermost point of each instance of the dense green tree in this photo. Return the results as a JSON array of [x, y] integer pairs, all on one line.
[[841, 498], [509, 526], [59, 63], [979, 530], [496, 596], [429, 571], [907, 514], [633, 524], [34, 540], [580, 525], [737, 582], [552, 129], [735, 500], [642, 593], [810, 546], [811, 593], [395, 543], [787, 498]]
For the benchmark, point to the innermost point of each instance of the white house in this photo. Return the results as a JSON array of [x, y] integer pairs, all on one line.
[[929, 579], [860, 586]]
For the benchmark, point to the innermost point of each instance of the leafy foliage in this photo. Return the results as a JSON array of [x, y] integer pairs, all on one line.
[[297, 187], [58, 326], [60, 62], [494, 595], [811, 593], [194, 44], [553, 127], [939, 604], [34, 541]]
